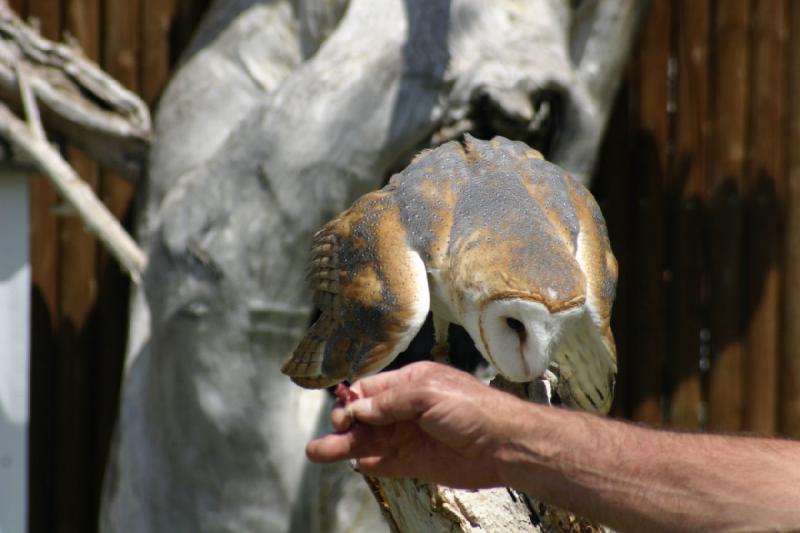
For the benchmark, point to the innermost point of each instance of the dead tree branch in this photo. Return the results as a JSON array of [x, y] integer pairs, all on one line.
[[413, 505], [78, 100], [33, 145]]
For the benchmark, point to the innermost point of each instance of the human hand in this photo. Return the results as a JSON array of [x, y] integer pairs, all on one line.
[[425, 420]]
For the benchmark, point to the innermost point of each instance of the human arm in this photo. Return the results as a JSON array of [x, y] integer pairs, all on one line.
[[438, 424]]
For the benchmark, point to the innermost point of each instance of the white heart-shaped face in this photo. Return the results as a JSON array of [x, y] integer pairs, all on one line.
[[519, 336]]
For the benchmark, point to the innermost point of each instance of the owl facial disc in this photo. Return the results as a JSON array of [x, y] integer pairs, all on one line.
[[519, 336]]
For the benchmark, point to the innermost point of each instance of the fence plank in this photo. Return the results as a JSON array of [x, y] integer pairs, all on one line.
[[790, 363], [764, 182], [121, 56], [687, 182], [647, 363], [77, 346], [155, 61], [729, 130], [611, 187], [45, 264], [19, 6]]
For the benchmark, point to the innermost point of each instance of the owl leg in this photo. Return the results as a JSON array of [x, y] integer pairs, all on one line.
[[441, 348]]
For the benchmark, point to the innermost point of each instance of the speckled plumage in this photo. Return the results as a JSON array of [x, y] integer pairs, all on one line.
[[472, 232]]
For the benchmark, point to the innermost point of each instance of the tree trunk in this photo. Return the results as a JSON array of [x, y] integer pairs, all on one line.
[[282, 113]]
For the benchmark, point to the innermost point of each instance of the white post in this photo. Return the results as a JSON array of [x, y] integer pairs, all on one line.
[[15, 287]]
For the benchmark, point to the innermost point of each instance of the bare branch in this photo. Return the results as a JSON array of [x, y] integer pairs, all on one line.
[[78, 99], [75, 191], [29, 103]]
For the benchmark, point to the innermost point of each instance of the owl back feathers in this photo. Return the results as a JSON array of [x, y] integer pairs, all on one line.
[[490, 218]]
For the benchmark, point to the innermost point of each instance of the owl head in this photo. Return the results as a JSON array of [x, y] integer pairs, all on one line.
[[519, 335]]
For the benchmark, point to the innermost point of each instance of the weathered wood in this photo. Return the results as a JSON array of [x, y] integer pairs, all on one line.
[[611, 186], [729, 137], [76, 352], [362, 93], [121, 54], [410, 505], [78, 100], [600, 62], [154, 64], [19, 6], [122, 57], [764, 183], [687, 195], [647, 367], [98, 220], [790, 361], [78, 340], [45, 318]]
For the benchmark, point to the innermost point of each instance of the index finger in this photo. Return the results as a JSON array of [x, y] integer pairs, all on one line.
[[375, 384], [392, 405], [403, 376]]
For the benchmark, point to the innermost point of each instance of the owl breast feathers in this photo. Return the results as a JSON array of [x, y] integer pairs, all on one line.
[[487, 235]]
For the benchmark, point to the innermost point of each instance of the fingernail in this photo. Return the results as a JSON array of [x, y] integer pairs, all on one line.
[[362, 406]]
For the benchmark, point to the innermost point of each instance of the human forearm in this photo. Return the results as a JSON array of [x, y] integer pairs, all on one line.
[[436, 423], [633, 478]]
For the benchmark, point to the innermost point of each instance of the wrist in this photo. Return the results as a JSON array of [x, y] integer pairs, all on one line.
[[520, 457]]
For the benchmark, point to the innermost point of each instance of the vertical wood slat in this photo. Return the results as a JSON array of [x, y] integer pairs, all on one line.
[[790, 361], [611, 187], [44, 224], [19, 6], [120, 58], [687, 179], [647, 364], [764, 185], [78, 251], [44, 234], [729, 130], [155, 60]]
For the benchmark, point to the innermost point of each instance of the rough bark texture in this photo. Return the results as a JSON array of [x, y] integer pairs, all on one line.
[[411, 506], [30, 141], [80, 101], [281, 115]]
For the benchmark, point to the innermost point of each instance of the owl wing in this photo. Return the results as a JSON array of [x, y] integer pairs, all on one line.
[[372, 290], [587, 356]]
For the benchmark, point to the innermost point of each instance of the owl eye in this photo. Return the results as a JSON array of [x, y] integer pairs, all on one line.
[[518, 327]]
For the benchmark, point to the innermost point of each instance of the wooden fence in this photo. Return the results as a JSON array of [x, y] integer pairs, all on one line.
[[699, 178], [699, 183], [79, 296]]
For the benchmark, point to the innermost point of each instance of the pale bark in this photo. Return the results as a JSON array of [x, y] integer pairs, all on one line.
[[281, 115], [410, 505], [90, 109], [31, 143]]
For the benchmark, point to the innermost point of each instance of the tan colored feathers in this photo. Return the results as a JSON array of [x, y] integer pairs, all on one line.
[[489, 220]]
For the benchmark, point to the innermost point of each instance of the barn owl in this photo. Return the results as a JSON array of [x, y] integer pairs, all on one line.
[[487, 235]]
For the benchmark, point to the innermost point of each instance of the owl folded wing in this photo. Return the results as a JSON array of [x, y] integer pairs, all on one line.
[[372, 290]]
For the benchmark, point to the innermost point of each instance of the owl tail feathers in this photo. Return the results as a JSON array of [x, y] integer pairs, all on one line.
[[328, 355], [307, 365]]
